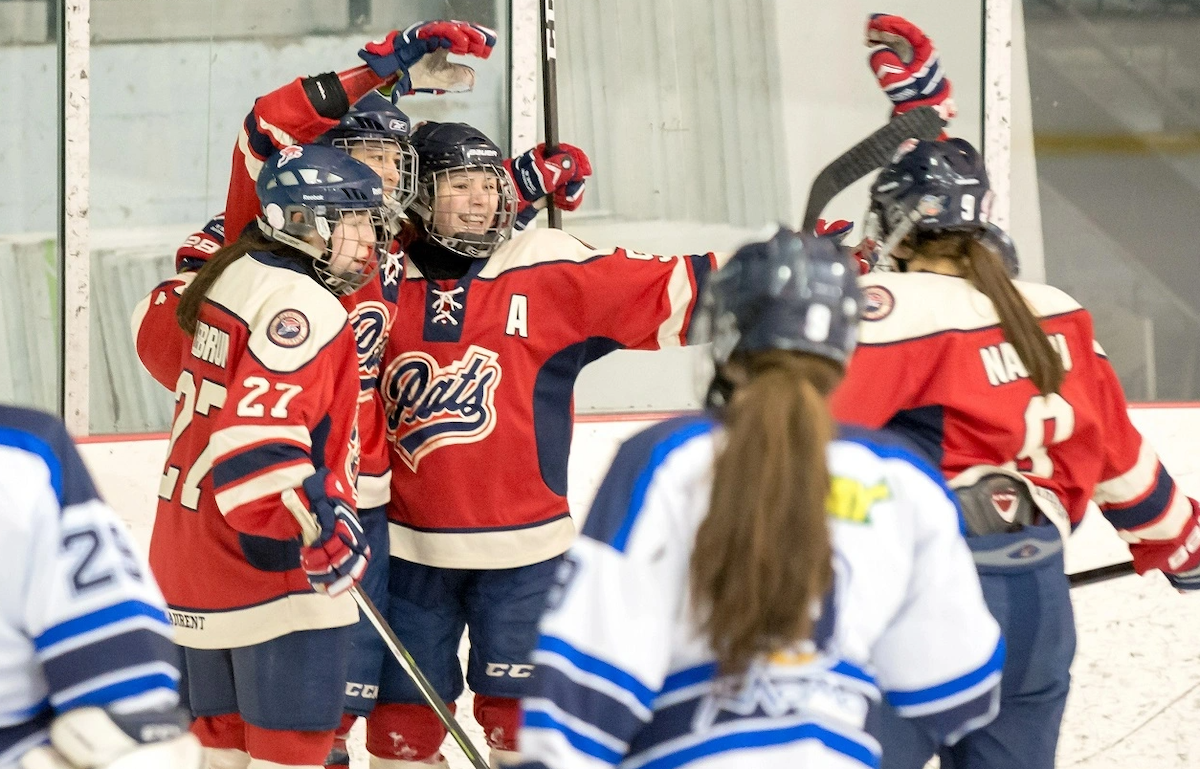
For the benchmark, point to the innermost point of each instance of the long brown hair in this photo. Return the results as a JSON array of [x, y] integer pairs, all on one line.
[[763, 558], [188, 311], [984, 268]]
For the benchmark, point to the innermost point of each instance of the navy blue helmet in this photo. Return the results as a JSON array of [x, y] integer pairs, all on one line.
[[305, 192], [376, 132], [929, 187], [792, 292], [1000, 241], [448, 153]]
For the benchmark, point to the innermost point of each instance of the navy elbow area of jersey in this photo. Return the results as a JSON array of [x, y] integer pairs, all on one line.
[[623, 491], [552, 392]]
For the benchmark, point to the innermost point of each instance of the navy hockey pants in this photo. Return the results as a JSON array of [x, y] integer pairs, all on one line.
[[1027, 592], [291, 683], [429, 608], [367, 648]]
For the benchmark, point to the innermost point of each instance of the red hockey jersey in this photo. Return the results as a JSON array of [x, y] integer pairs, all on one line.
[[265, 394], [932, 363], [159, 340], [477, 387]]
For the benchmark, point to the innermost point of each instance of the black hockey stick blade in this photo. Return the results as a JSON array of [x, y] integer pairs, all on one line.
[[1101, 574], [871, 153]]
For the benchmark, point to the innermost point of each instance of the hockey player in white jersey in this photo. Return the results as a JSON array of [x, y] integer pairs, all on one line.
[[749, 581], [88, 670]]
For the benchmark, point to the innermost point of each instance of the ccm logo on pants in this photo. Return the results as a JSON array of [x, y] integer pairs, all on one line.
[[501, 669], [366, 691]]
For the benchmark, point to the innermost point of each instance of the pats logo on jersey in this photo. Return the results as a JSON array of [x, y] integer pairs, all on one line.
[[289, 328], [429, 406], [370, 322]]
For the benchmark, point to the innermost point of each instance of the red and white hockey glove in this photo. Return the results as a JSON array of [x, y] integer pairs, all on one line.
[[907, 66], [337, 558], [199, 246], [400, 51], [537, 174], [1178, 559], [837, 231]]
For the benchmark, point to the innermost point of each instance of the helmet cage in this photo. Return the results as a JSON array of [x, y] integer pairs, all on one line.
[[473, 245], [302, 227], [396, 199]]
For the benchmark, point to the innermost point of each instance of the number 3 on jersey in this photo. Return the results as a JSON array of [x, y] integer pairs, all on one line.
[[201, 399], [1049, 419]]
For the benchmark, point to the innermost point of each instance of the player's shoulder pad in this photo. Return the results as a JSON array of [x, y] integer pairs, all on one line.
[[291, 317], [531, 248], [903, 306], [1047, 300], [37, 439], [622, 493]]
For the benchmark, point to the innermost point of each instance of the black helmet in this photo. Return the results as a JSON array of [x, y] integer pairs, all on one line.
[[929, 187], [444, 149], [792, 292], [374, 122]]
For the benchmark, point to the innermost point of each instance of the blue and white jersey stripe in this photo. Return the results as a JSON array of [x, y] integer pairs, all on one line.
[[626, 676], [89, 626]]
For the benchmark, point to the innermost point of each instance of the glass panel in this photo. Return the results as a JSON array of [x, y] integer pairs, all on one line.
[[1116, 132], [171, 85], [29, 290], [706, 121]]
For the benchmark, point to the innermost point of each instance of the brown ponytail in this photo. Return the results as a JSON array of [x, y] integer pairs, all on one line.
[[984, 268], [762, 560], [188, 311]]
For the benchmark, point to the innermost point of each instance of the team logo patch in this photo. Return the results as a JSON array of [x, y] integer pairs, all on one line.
[[289, 328], [430, 406], [877, 303], [1005, 502], [1027, 551]]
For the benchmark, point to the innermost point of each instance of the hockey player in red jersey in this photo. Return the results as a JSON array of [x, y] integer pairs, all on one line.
[[1003, 384], [477, 384], [308, 107], [266, 425]]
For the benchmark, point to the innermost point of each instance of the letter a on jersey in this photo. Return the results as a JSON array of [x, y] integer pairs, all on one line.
[[518, 316]]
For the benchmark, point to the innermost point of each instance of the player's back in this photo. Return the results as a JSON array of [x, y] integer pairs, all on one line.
[[933, 363], [905, 617], [81, 620], [256, 409]]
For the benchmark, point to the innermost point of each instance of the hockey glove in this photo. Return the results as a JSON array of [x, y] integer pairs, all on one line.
[[1178, 559], [199, 246], [537, 174], [337, 558], [95, 738], [907, 66], [399, 51], [837, 231]]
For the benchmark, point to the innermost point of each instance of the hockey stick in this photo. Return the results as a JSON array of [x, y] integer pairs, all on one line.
[[1101, 574], [310, 529], [550, 97], [871, 153]]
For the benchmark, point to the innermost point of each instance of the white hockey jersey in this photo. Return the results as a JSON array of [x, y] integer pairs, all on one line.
[[81, 619], [626, 678]]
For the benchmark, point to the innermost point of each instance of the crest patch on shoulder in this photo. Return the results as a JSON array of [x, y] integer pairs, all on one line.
[[878, 303], [289, 328]]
